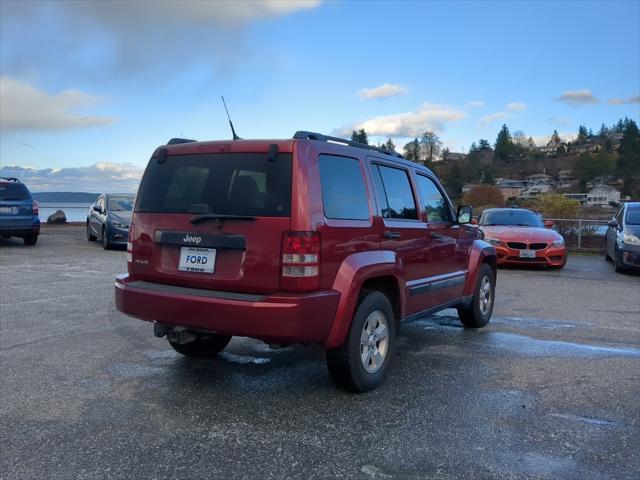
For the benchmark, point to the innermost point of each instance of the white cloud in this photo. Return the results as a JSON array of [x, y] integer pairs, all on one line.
[[516, 106], [494, 117], [101, 177], [624, 101], [410, 124], [134, 38], [577, 98], [385, 90], [475, 104], [24, 107]]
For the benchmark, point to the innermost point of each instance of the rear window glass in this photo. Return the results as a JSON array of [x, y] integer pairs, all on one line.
[[225, 184], [121, 203], [343, 192], [633, 216], [13, 191]]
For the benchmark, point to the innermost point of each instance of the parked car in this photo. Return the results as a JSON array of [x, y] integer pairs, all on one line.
[[622, 241], [521, 238], [314, 239], [109, 219], [18, 211]]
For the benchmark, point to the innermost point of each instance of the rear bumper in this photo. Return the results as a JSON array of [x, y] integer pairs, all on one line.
[[551, 256], [278, 317], [19, 228]]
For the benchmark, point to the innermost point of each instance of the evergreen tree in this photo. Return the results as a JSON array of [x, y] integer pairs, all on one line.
[[390, 146], [484, 145], [473, 148], [504, 144], [628, 166], [582, 134], [412, 150], [360, 136], [555, 138], [604, 132]]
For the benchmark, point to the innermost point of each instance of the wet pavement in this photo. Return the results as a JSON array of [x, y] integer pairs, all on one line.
[[549, 389]]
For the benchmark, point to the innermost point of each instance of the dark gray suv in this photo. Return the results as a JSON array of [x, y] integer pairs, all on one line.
[[623, 238]]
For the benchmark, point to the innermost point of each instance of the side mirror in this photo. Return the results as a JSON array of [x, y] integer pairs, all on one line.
[[474, 221], [97, 208], [612, 224], [465, 214], [548, 223]]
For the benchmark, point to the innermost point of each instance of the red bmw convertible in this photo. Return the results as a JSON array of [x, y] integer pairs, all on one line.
[[520, 238]]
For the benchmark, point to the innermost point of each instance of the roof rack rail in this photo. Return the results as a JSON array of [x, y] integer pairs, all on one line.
[[176, 141], [10, 179], [304, 135]]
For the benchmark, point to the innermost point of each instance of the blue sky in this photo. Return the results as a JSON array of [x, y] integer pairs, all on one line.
[[102, 83]]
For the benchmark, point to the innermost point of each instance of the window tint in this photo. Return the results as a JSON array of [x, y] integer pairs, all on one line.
[[434, 204], [398, 201], [121, 203], [227, 184], [13, 191], [633, 216], [343, 192], [514, 216]]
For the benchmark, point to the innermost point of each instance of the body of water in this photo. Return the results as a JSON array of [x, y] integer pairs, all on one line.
[[75, 212]]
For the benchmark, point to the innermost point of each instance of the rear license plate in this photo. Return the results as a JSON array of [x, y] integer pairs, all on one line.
[[527, 254], [6, 210], [193, 259]]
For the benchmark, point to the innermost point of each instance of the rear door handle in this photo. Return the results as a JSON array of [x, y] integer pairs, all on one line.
[[391, 235]]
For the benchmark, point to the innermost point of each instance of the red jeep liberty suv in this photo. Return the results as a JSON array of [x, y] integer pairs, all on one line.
[[314, 239]]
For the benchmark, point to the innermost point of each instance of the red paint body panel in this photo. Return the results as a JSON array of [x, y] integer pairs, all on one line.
[[277, 318], [353, 273]]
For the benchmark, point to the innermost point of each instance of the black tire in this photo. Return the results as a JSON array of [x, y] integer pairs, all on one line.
[[345, 364], [30, 239], [90, 236], [208, 347], [476, 315], [105, 239], [617, 260]]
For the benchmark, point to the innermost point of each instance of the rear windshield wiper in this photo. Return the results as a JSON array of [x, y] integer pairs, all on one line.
[[216, 216]]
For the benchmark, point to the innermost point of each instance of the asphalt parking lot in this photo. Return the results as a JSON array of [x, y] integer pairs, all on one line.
[[549, 389]]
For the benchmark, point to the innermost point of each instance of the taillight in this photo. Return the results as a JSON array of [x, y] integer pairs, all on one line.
[[35, 207], [130, 242], [300, 261]]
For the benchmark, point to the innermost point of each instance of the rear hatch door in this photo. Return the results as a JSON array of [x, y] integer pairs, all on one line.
[[16, 204], [213, 221]]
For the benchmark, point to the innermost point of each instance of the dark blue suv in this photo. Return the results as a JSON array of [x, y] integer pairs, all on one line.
[[18, 211]]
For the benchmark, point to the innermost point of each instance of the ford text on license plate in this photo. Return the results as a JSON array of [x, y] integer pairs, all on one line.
[[527, 254], [193, 259]]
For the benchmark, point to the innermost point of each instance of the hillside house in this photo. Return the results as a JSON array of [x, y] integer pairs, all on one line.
[[601, 195], [511, 188], [539, 178], [535, 190]]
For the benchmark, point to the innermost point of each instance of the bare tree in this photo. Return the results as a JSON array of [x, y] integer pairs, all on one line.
[[430, 146]]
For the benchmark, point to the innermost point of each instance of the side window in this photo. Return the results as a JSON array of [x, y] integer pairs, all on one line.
[[344, 195], [620, 216], [433, 202], [396, 199], [101, 203]]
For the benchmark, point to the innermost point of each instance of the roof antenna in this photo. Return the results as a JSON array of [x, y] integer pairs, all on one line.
[[235, 137]]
